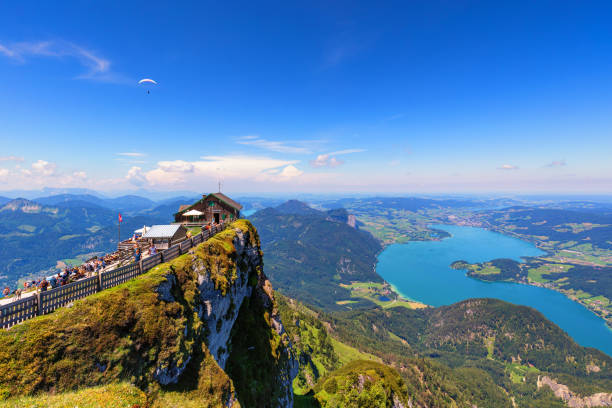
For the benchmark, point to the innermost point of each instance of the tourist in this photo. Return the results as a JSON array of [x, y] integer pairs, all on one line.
[[43, 285], [53, 282], [18, 293], [6, 291]]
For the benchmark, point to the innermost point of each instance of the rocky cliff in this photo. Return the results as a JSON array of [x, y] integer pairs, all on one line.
[[202, 330], [572, 399]]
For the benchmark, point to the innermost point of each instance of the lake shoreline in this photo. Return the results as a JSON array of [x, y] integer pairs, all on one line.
[[418, 269], [535, 284], [538, 285]]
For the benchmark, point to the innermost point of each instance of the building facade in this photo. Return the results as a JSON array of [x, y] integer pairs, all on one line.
[[165, 236], [211, 208]]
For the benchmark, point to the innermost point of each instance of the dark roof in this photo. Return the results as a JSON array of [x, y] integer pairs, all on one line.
[[227, 200], [218, 196]]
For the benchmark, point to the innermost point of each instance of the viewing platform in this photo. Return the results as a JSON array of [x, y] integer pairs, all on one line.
[[37, 303]]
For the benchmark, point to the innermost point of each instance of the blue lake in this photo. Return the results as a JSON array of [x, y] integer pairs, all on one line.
[[421, 271], [247, 213]]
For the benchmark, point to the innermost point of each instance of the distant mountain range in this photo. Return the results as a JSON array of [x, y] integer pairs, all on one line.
[[128, 203]]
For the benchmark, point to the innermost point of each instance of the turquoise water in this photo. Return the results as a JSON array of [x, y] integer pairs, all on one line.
[[421, 271], [247, 213]]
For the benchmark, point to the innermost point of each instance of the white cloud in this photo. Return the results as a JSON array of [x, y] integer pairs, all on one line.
[[11, 158], [508, 167], [42, 173], [275, 146], [289, 172], [557, 163], [43, 168], [325, 160], [136, 176], [96, 67], [178, 166], [205, 172]]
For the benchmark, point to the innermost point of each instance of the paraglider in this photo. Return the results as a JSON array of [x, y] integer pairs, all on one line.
[[147, 82]]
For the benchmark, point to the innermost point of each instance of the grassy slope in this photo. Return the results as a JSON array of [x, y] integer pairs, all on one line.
[[121, 335], [119, 395]]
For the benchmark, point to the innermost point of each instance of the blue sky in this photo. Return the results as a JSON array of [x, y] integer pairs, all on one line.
[[431, 96]]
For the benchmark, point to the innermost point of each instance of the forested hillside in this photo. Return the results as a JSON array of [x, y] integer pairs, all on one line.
[[309, 253], [481, 352]]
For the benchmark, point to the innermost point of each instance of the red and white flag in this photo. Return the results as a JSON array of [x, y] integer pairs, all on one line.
[[120, 218]]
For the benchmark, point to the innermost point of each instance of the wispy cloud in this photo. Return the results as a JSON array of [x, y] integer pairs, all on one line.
[[96, 67], [395, 117], [274, 146], [508, 167], [347, 43], [131, 154], [329, 159], [557, 163], [11, 158], [347, 151]]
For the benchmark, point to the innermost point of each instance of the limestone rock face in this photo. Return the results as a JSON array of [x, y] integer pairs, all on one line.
[[221, 310], [601, 399], [219, 301]]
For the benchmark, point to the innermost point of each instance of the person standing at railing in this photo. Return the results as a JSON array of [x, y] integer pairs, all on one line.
[[136, 254], [43, 285], [53, 282]]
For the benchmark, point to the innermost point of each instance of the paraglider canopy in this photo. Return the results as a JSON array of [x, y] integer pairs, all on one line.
[[147, 82]]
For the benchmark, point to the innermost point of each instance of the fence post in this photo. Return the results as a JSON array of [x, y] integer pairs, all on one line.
[[38, 304], [99, 280], [140, 266]]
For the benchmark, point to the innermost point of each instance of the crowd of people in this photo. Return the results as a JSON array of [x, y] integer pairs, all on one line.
[[69, 274], [90, 268]]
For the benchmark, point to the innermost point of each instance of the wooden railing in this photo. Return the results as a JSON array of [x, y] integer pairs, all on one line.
[[47, 301]]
